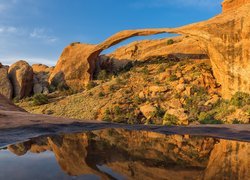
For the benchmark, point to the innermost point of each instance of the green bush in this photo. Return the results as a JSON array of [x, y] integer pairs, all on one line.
[[145, 70], [170, 119], [16, 99], [62, 87], [173, 78], [236, 121], [101, 94], [102, 75], [161, 69], [40, 99], [240, 99], [207, 118], [91, 85], [170, 41]]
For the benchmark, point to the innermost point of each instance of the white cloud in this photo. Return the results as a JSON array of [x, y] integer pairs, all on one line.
[[30, 60], [8, 29], [41, 33]]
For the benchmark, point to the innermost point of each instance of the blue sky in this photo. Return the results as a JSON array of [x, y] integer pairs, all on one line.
[[38, 30]]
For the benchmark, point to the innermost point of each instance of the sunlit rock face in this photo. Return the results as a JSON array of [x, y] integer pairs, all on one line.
[[144, 155], [229, 5], [225, 38]]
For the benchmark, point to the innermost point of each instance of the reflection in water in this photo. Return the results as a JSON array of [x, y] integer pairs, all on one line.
[[122, 154]]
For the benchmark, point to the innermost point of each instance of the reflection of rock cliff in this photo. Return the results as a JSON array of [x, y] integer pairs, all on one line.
[[144, 155], [229, 159], [225, 38]]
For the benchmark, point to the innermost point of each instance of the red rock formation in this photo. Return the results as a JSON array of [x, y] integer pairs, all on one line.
[[229, 5], [21, 77], [225, 38]]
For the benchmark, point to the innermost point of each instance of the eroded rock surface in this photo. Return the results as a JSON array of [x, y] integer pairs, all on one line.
[[226, 39], [21, 77], [5, 85]]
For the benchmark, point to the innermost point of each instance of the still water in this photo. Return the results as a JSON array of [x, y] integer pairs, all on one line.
[[123, 154]]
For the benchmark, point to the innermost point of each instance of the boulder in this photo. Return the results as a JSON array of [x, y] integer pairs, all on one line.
[[148, 110], [21, 77], [73, 68], [41, 78], [6, 88]]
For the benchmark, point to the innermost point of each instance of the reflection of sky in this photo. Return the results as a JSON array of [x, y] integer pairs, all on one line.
[[32, 166]]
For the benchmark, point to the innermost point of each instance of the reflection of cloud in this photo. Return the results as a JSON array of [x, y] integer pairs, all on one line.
[[164, 3]]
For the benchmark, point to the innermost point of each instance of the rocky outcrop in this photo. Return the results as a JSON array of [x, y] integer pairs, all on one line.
[[5, 85], [21, 77], [181, 48], [41, 78], [229, 5], [224, 37], [73, 68]]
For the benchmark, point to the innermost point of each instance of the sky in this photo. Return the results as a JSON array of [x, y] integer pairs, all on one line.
[[38, 30]]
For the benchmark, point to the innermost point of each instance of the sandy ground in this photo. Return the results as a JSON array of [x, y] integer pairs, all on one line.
[[16, 126]]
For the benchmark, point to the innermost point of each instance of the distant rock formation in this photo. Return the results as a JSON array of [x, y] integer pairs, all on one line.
[[180, 48], [21, 77], [5, 84], [224, 37], [41, 76], [74, 68]]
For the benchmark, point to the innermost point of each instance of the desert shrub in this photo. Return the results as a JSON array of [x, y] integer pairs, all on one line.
[[236, 121], [173, 78], [40, 99], [107, 116], [161, 69], [16, 99], [67, 92], [112, 88], [101, 94], [208, 118], [91, 85], [137, 100], [193, 103], [51, 88], [170, 41], [170, 119], [240, 99], [74, 43], [222, 108], [117, 110], [62, 86], [128, 66], [102, 75], [145, 70]]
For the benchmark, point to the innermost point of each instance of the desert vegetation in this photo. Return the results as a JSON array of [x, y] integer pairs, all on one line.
[[161, 90]]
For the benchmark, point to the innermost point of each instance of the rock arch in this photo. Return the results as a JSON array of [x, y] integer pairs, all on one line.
[[226, 38]]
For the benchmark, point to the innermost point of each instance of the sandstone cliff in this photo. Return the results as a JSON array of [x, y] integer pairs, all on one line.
[[225, 38]]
